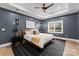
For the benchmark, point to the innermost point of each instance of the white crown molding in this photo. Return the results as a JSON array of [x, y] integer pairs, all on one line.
[[21, 8]]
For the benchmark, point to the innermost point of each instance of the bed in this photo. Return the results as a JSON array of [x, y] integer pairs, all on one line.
[[40, 39]]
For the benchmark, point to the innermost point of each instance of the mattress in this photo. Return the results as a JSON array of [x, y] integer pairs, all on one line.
[[44, 38]]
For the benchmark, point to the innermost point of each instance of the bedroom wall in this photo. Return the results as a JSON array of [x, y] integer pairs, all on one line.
[[7, 19], [78, 25], [69, 25], [22, 21]]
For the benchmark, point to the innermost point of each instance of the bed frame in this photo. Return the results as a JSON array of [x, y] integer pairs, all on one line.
[[51, 41], [23, 33]]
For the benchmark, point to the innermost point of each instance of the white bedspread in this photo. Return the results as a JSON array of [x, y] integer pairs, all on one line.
[[44, 38]]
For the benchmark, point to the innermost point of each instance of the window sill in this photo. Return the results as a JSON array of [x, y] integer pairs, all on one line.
[[56, 32]]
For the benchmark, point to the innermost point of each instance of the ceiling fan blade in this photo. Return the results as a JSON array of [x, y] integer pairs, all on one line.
[[37, 7], [44, 10], [50, 5]]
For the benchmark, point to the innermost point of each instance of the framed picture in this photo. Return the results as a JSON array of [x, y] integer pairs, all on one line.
[[17, 21], [30, 24]]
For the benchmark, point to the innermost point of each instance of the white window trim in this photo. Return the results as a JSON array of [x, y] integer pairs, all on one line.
[[54, 26]]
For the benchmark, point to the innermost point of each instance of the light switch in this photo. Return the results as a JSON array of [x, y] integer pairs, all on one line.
[[66, 35], [3, 29]]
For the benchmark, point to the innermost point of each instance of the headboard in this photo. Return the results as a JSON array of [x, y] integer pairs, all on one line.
[[23, 31]]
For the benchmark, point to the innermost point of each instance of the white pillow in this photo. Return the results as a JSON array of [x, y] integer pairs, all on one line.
[[36, 30], [28, 32]]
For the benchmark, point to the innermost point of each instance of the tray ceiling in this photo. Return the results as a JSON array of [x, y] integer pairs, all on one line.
[[29, 9]]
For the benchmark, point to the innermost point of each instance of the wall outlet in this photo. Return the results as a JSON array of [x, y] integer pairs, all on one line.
[[3, 29]]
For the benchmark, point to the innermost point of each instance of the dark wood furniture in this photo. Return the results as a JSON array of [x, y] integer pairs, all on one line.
[[17, 38]]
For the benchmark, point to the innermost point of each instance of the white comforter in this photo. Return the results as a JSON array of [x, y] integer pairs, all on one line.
[[44, 38]]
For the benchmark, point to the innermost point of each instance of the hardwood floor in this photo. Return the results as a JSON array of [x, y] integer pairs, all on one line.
[[6, 51], [71, 48]]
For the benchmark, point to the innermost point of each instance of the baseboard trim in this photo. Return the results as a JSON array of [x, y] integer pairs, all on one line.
[[5, 45], [68, 39]]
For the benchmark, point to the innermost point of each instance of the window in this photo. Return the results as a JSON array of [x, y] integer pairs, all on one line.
[[55, 26]]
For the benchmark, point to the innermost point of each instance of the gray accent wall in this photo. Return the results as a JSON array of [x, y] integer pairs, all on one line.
[[22, 21], [78, 25], [7, 19], [69, 25]]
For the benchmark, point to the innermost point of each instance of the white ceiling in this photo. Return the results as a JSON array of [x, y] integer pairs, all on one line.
[[57, 9]]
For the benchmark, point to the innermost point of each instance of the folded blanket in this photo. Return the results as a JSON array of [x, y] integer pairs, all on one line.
[[36, 39]]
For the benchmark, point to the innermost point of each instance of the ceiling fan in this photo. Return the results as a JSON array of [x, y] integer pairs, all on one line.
[[44, 7]]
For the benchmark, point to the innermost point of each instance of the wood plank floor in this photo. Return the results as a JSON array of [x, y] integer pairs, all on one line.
[[71, 49], [6, 51]]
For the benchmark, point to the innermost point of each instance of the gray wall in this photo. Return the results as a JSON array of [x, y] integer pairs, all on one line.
[[7, 19], [22, 21], [78, 25], [69, 25]]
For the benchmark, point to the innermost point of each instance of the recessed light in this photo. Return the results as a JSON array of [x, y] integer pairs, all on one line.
[[58, 7]]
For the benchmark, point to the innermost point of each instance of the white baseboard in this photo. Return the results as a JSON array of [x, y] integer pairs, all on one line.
[[5, 45], [69, 39]]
